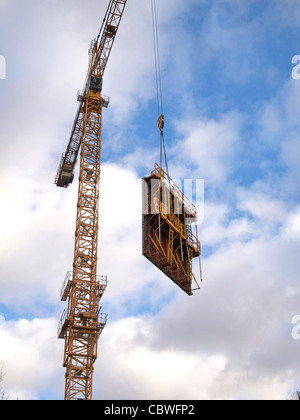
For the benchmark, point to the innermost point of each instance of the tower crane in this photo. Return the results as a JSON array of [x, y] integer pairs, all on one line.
[[82, 322]]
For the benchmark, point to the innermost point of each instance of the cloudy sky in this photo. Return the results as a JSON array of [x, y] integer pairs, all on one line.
[[233, 119]]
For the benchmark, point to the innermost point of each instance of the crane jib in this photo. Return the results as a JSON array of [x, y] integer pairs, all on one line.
[[106, 38], [99, 54]]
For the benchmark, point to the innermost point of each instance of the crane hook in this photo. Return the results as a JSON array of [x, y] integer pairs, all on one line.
[[161, 123]]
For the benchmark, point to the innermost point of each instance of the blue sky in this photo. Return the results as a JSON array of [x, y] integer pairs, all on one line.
[[232, 118]]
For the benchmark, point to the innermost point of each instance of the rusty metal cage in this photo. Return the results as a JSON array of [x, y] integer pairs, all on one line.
[[170, 241]]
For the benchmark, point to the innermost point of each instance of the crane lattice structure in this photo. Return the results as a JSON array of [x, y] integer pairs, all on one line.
[[82, 322]]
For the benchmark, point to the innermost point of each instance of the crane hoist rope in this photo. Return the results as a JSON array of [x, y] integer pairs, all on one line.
[[160, 108], [157, 59], [170, 242]]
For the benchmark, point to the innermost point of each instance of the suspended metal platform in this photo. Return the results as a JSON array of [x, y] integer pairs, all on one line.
[[170, 241]]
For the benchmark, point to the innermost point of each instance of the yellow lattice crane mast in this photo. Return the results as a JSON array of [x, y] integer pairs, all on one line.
[[82, 323]]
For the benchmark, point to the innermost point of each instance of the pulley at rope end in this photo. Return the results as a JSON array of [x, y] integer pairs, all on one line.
[[161, 122]]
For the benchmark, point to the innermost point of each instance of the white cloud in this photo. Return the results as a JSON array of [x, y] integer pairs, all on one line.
[[261, 205], [209, 146], [288, 12], [235, 331], [279, 132], [31, 355], [220, 227], [38, 223], [34, 222], [291, 229], [141, 372], [223, 25]]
